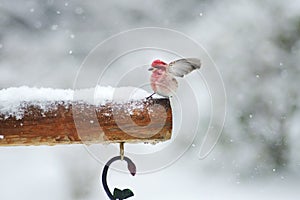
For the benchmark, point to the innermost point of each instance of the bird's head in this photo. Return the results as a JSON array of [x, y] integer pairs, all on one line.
[[158, 65]]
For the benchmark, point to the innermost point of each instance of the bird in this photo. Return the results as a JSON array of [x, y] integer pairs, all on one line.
[[163, 81]]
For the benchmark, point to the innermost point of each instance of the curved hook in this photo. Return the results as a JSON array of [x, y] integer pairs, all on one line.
[[118, 194]]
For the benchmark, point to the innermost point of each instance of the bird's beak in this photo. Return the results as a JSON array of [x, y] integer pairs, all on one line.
[[150, 69]]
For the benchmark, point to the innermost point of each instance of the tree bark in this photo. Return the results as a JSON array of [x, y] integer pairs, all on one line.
[[77, 122]]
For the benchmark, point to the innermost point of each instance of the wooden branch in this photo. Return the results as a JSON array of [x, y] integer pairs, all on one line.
[[78, 122]]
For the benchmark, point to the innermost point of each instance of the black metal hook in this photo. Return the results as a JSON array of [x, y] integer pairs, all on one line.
[[118, 194]]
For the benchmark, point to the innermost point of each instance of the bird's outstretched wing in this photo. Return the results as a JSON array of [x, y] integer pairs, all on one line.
[[184, 66]]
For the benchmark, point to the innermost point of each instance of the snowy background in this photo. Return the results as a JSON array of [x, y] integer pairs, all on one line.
[[256, 45]]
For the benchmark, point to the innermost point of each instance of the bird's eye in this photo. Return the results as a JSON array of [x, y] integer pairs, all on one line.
[[160, 67]]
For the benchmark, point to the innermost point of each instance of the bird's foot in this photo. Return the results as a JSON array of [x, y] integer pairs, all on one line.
[[150, 97]]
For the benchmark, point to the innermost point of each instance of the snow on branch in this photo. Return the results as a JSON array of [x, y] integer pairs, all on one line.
[[45, 116]]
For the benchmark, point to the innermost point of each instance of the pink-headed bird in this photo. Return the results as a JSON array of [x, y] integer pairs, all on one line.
[[163, 80]]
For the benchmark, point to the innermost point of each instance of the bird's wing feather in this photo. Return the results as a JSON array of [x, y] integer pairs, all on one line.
[[184, 66]]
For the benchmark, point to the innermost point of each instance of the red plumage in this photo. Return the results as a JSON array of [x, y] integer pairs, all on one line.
[[162, 79]]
